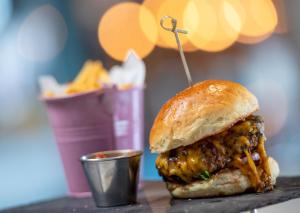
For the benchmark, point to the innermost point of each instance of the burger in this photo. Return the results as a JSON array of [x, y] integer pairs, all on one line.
[[210, 142]]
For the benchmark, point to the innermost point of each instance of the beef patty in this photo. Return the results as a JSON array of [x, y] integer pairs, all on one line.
[[212, 154]]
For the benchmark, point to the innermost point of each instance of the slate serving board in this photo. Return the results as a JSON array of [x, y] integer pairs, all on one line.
[[155, 198]]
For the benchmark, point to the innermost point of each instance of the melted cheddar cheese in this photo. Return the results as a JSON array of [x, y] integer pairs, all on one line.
[[232, 148]]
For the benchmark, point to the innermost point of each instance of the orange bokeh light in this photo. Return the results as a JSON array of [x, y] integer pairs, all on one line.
[[214, 25], [253, 40], [153, 6], [176, 9], [189, 47], [127, 26], [260, 18]]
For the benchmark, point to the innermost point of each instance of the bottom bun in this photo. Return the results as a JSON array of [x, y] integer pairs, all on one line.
[[228, 182]]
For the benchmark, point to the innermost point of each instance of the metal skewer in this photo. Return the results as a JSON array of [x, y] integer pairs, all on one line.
[[176, 31]]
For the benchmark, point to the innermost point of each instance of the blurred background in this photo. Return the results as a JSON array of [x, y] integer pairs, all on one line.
[[254, 42]]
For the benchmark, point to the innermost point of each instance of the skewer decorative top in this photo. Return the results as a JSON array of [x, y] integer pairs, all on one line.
[[175, 30]]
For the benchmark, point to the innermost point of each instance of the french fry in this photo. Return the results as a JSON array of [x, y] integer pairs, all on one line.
[[91, 77], [125, 86], [49, 94]]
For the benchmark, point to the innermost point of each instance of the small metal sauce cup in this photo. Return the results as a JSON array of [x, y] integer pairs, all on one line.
[[113, 176]]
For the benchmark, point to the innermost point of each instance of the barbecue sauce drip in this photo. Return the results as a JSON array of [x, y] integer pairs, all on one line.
[[232, 148]]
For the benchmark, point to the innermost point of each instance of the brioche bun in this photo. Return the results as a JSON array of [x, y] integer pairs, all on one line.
[[207, 108]]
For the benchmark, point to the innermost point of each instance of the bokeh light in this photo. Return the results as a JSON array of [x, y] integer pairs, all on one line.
[[233, 13], [160, 8], [147, 24], [201, 21], [214, 25], [5, 13], [127, 26], [154, 6], [43, 34], [15, 75], [260, 17], [270, 71], [273, 101], [175, 10], [253, 39], [189, 47]]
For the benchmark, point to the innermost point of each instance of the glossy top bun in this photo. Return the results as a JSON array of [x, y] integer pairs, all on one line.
[[205, 109]]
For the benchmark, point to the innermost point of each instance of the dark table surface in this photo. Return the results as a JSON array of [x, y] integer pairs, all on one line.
[[155, 198]]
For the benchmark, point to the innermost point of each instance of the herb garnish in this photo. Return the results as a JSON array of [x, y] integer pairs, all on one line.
[[204, 175]]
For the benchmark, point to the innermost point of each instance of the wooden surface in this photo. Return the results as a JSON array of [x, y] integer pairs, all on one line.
[[155, 198]]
